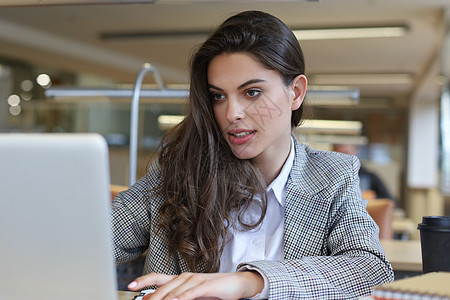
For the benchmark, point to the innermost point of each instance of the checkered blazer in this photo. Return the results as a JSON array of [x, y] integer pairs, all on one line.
[[331, 245]]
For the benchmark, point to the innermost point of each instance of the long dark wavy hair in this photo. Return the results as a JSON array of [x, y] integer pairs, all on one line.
[[202, 181]]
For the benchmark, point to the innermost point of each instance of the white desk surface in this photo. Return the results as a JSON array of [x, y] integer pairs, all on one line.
[[403, 255], [126, 295]]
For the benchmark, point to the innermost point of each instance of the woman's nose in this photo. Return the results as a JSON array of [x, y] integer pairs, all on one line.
[[235, 110]]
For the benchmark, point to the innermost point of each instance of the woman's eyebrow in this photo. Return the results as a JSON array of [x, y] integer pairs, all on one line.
[[247, 83], [214, 87], [251, 81]]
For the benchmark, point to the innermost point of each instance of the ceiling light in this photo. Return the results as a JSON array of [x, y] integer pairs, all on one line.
[[15, 110], [317, 95], [349, 33], [115, 93], [332, 96], [308, 126], [300, 34], [44, 80], [330, 127], [13, 100], [335, 139], [357, 79], [71, 2], [165, 122]]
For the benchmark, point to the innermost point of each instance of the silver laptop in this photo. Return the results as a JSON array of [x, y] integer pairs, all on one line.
[[55, 240]]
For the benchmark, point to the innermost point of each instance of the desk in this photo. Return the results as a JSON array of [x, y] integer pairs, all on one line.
[[126, 295], [403, 255], [403, 227]]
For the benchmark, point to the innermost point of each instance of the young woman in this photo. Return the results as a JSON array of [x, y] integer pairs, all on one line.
[[235, 206]]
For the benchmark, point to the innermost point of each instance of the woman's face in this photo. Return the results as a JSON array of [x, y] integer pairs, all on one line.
[[253, 107]]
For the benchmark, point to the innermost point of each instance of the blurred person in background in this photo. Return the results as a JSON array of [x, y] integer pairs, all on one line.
[[368, 179]]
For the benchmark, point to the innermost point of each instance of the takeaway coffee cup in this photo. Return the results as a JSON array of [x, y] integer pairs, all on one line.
[[435, 241]]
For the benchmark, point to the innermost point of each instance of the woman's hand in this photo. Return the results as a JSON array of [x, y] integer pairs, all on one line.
[[198, 285]]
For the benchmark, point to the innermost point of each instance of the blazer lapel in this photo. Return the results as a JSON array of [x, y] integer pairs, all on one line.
[[306, 208]]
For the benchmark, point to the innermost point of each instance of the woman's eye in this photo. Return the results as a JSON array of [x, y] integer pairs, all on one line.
[[216, 96], [253, 93]]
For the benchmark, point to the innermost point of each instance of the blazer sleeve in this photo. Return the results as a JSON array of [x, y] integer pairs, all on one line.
[[131, 217], [352, 259]]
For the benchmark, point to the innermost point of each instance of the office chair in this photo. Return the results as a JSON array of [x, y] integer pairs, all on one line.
[[382, 212]]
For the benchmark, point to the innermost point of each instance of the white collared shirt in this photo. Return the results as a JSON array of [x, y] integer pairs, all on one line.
[[266, 241]]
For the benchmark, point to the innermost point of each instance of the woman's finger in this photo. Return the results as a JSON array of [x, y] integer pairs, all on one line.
[[149, 280]]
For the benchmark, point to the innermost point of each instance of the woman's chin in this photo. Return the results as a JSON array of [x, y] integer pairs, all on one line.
[[242, 154]]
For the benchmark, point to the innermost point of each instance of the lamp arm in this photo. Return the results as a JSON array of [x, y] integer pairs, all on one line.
[[146, 68]]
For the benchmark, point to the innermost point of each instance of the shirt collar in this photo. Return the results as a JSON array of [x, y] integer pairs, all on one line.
[[278, 185]]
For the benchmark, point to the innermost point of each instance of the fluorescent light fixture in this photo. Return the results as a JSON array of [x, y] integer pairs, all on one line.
[[114, 93], [336, 139], [69, 2], [349, 33], [311, 126], [357, 79], [323, 95], [301, 34], [332, 96], [165, 122]]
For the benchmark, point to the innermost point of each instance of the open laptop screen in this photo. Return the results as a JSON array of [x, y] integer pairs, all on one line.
[[55, 238]]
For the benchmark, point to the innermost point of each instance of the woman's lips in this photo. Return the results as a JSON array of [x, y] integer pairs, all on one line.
[[241, 136]]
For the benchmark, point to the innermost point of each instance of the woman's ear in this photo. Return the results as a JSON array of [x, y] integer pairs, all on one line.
[[298, 89]]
